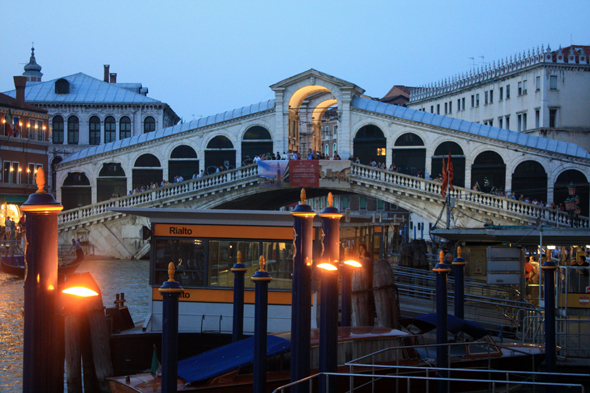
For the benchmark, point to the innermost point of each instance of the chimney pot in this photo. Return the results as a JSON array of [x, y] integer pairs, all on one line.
[[113, 77], [106, 72], [20, 82]]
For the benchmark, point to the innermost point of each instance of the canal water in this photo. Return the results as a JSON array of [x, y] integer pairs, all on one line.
[[112, 276]]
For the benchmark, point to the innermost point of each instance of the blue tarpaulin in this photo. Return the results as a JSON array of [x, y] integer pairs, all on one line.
[[224, 359]]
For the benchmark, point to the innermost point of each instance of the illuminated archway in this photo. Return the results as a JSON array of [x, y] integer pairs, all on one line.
[[295, 103]]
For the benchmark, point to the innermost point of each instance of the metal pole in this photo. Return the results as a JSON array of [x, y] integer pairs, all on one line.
[[448, 208], [239, 270], [329, 298], [41, 337], [459, 264], [549, 268], [261, 279], [441, 320], [301, 293], [171, 291]]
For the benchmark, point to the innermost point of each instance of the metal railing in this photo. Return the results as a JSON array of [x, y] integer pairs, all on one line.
[[572, 334]]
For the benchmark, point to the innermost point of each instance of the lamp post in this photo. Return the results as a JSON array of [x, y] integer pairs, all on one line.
[[261, 279], [41, 337], [442, 360], [549, 268], [301, 294], [570, 203], [459, 264], [239, 270]]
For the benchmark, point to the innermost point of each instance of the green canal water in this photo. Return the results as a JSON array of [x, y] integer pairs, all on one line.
[[112, 276]]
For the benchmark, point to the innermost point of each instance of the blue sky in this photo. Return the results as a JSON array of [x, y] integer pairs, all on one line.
[[205, 57]]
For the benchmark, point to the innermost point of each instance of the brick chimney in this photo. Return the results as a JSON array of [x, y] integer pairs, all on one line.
[[19, 83], [106, 73], [113, 77]]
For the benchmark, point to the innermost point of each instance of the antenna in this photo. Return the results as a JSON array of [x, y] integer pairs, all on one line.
[[472, 61]]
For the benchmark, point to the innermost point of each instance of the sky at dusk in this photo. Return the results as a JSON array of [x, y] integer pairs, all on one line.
[[206, 57]]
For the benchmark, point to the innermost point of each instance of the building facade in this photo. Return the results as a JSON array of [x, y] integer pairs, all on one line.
[[24, 148], [85, 111], [542, 92]]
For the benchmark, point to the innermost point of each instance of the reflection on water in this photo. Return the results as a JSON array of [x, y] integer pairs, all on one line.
[[112, 276]]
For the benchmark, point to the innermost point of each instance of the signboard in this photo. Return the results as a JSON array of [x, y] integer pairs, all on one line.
[[304, 173], [271, 173], [505, 265], [335, 173]]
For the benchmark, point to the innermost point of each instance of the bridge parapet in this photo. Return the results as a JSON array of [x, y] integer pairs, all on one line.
[[526, 212]]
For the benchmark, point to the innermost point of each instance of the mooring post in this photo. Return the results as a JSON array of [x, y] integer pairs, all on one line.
[[459, 264], [261, 279], [40, 372], [442, 360], [549, 268], [171, 291], [239, 270], [301, 293], [329, 296]]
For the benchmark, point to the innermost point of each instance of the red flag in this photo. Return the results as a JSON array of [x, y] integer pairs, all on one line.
[[451, 174], [445, 179], [9, 121]]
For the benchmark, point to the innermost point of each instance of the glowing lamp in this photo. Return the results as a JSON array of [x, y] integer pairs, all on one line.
[[327, 266], [77, 286], [353, 263], [80, 291], [551, 247], [571, 189]]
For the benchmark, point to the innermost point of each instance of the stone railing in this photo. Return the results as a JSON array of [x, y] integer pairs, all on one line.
[[160, 193], [504, 205]]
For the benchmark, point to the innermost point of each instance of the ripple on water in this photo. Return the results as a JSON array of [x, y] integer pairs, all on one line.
[[112, 276]]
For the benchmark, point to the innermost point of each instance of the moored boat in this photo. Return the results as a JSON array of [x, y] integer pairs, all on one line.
[[15, 265]]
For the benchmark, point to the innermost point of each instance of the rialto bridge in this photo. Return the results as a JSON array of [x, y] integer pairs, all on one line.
[[414, 141]]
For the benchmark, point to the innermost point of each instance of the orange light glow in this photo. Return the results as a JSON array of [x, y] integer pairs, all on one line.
[[20, 169], [50, 287], [38, 279], [36, 126], [80, 291], [353, 263], [327, 266]]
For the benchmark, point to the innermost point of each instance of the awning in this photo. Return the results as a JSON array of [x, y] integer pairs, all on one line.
[[13, 199]]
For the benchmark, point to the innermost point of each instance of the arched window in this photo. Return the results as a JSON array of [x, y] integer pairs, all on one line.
[[62, 86], [220, 142], [111, 181], [409, 154], [369, 144], [94, 127], [58, 130], [183, 162], [560, 190], [149, 124], [124, 128], [147, 160], [73, 130], [110, 130], [457, 157], [257, 132], [530, 180], [488, 172], [146, 171], [75, 191], [257, 141], [183, 151], [220, 151]]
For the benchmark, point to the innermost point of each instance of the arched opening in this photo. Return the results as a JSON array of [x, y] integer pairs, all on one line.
[[457, 157], [488, 172], [75, 191], [62, 86], [325, 121], [560, 192], [149, 124], [220, 151], [369, 144], [94, 129], [530, 179], [54, 163], [73, 130], [298, 139], [409, 154], [111, 181], [257, 140], [58, 130], [124, 128], [110, 129], [147, 170], [183, 162]]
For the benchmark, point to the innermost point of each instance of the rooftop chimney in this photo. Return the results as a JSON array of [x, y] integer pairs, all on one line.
[[106, 73], [113, 77], [19, 83]]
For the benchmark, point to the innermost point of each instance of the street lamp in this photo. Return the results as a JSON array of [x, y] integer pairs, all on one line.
[[570, 203]]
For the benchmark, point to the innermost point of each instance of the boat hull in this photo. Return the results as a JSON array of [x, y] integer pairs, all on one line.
[[15, 265]]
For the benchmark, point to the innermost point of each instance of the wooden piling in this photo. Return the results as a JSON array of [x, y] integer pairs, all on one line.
[[386, 295], [73, 353], [91, 384], [362, 296], [100, 340]]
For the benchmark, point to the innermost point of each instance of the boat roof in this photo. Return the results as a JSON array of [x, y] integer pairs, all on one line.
[[353, 333], [428, 322], [229, 357]]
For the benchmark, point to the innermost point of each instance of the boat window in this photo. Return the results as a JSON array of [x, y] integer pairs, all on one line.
[[223, 255], [481, 348], [188, 256]]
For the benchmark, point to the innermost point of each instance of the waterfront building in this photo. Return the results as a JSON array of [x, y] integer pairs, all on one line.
[[24, 143], [542, 92], [85, 111]]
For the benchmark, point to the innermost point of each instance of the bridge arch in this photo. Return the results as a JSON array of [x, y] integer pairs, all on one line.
[[220, 150], [530, 179], [370, 144], [256, 139], [183, 161], [76, 191], [146, 169], [110, 180], [488, 171], [457, 157], [409, 153], [580, 180]]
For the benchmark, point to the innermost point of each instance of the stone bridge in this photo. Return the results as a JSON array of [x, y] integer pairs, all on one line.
[[117, 235]]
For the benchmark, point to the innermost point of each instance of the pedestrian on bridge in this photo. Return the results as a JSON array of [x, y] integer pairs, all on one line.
[[79, 252]]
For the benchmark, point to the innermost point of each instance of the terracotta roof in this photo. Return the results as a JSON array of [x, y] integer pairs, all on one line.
[[9, 102], [577, 50]]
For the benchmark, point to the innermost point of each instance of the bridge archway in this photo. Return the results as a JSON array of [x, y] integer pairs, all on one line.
[[111, 180], [560, 192], [370, 144], [488, 172], [256, 140], [147, 169], [457, 157], [76, 191], [220, 151], [409, 154], [183, 161], [54, 162], [530, 179]]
